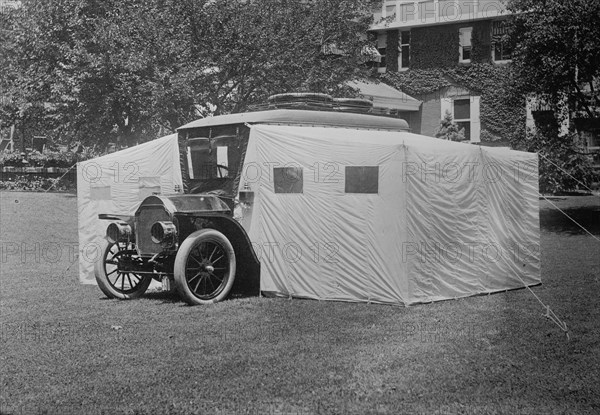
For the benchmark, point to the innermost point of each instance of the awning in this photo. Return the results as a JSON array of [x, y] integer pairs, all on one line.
[[385, 96], [372, 53], [369, 52]]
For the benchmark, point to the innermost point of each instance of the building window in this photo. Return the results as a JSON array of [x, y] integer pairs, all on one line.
[[381, 48], [502, 51], [464, 39], [465, 113], [462, 116], [362, 179], [288, 179], [404, 50]]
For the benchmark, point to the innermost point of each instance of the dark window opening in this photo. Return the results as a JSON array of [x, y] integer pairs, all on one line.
[[466, 125], [382, 63], [502, 52], [466, 53], [404, 49], [362, 179], [462, 109], [288, 179]]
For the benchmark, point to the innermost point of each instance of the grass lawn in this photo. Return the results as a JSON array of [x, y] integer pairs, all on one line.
[[66, 349]]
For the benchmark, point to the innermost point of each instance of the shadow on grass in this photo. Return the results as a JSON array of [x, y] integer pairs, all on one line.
[[165, 297], [553, 220], [171, 297]]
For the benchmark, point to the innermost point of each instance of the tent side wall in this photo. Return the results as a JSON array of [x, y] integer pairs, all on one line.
[[449, 220], [323, 241], [116, 183], [473, 221]]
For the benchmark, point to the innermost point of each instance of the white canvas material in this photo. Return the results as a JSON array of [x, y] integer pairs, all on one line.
[[116, 183], [448, 220], [443, 220]]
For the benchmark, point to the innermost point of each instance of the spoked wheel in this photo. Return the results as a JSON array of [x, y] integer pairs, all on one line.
[[205, 267], [115, 273]]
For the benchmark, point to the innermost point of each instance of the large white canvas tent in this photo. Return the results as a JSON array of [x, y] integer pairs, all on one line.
[[389, 217], [116, 183], [353, 215]]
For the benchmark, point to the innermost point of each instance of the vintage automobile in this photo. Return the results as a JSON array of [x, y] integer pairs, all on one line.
[[195, 242]]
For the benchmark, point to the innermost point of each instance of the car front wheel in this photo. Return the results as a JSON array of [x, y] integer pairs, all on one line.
[[205, 267], [115, 271]]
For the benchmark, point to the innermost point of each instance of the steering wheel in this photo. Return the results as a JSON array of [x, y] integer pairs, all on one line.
[[219, 172]]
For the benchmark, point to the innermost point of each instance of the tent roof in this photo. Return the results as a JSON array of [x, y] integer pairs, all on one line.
[[303, 117], [386, 96]]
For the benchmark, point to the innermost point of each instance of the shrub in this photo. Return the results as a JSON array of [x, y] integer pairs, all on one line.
[[37, 159], [11, 159], [37, 184], [564, 165], [448, 129]]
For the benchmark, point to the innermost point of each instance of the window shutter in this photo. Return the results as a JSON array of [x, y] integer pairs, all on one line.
[[475, 121], [446, 105]]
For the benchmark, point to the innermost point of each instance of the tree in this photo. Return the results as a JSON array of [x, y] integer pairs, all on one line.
[[557, 58], [127, 71], [562, 166], [557, 49], [448, 129]]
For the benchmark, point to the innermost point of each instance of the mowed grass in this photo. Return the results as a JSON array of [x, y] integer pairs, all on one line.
[[66, 349]]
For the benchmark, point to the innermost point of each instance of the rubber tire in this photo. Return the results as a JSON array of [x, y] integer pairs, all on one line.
[[203, 235], [107, 288]]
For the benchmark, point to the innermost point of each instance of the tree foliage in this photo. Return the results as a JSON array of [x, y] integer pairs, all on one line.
[[557, 50], [448, 129], [562, 164], [557, 59], [101, 71]]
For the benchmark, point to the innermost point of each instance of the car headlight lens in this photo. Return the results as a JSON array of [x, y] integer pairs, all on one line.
[[119, 232], [164, 233]]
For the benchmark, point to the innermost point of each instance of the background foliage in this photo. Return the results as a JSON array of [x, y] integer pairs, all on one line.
[[557, 56], [563, 164], [557, 50], [37, 159], [112, 71]]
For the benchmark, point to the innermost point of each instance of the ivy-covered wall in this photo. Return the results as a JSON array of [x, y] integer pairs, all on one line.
[[502, 110], [438, 46], [434, 68], [433, 47]]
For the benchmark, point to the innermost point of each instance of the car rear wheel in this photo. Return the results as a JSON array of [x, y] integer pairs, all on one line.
[[205, 267], [114, 271]]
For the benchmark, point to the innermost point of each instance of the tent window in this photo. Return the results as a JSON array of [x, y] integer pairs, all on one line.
[[362, 179], [288, 179], [100, 193]]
